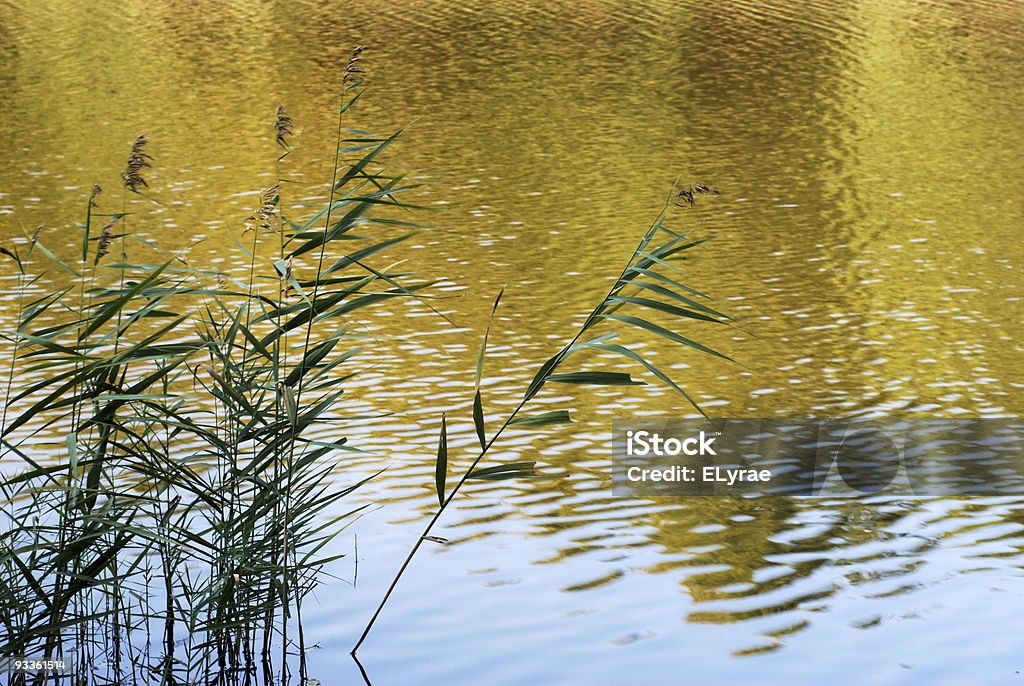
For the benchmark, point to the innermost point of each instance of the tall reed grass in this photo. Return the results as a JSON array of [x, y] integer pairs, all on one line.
[[642, 277], [172, 532], [166, 490]]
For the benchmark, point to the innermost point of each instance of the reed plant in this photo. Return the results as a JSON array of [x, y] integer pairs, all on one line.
[[651, 270], [169, 438]]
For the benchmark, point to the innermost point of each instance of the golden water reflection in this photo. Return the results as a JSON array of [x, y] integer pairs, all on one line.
[[868, 236]]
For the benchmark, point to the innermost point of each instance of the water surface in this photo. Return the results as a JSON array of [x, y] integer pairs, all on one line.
[[867, 235]]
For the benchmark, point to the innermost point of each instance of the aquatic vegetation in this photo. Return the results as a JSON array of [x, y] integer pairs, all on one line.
[[656, 250], [138, 160], [284, 127], [168, 436]]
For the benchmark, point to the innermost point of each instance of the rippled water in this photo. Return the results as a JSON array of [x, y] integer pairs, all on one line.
[[868, 235]]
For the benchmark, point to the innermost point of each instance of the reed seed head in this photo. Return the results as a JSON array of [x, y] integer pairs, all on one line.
[[352, 78], [35, 237], [138, 160], [106, 238], [284, 127], [263, 219], [688, 195], [95, 193]]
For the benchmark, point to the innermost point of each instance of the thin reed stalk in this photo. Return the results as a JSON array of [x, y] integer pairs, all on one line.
[[638, 265]]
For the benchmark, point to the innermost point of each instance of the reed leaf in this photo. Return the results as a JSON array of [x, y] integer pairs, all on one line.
[[441, 463]]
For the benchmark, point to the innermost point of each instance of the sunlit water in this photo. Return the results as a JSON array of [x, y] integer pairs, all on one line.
[[868, 236]]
